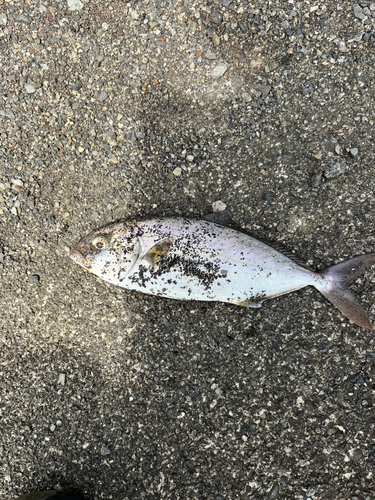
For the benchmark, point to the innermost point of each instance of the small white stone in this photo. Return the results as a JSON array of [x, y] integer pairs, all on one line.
[[177, 172], [13, 211], [219, 70], [30, 88], [190, 158], [218, 206], [134, 14], [75, 5], [3, 19], [342, 47], [52, 427], [62, 378], [7, 478], [17, 182]]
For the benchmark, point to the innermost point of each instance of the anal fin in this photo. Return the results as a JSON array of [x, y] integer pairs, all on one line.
[[248, 303]]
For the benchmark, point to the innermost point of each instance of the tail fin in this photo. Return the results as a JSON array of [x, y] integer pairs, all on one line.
[[335, 289]]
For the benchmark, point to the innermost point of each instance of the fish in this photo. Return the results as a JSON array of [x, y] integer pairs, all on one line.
[[209, 260]]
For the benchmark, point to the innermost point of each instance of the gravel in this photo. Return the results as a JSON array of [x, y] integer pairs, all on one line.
[[118, 111], [75, 5], [219, 70], [335, 166]]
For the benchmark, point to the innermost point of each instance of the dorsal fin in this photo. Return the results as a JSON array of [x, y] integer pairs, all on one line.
[[223, 218], [286, 252]]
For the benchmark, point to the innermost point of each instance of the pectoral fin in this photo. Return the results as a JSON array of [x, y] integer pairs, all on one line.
[[161, 249]]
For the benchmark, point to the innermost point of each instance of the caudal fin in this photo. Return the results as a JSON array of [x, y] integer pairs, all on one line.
[[335, 287]]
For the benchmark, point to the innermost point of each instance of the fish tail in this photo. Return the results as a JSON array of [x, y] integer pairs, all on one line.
[[335, 287]]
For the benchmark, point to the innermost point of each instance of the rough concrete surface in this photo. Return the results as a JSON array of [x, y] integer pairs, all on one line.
[[117, 110]]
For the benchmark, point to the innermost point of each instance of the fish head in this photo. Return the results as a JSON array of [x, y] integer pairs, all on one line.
[[108, 252]]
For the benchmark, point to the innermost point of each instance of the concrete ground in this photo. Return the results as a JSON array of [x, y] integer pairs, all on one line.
[[120, 110]]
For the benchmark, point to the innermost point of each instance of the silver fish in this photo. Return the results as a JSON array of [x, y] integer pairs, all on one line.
[[202, 260]]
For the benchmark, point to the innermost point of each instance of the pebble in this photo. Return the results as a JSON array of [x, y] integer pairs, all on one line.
[[103, 96], [75, 5], [269, 196], [7, 478], [264, 89], [358, 13], [342, 47], [210, 55], [77, 86], [218, 206], [281, 226], [335, 166], [273, 493], [177, 171], [316, 179], [34, 278], [212, 343], [23, 19], [30, 88], [3, 19], [357, 38], [134, 14], [353, 152], [105, 451], [190, 158], [216, 18], [219, 70], [62, 378], [216, 40]]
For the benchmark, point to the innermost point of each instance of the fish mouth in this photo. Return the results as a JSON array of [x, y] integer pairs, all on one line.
[[79, 258]]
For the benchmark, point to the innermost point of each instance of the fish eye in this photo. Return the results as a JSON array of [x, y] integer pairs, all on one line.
[[100, 243]]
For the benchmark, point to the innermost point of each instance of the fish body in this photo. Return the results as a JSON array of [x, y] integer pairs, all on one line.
[[199, 260]]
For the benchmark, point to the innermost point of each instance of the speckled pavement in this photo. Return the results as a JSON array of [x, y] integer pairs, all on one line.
[[123, 110]]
